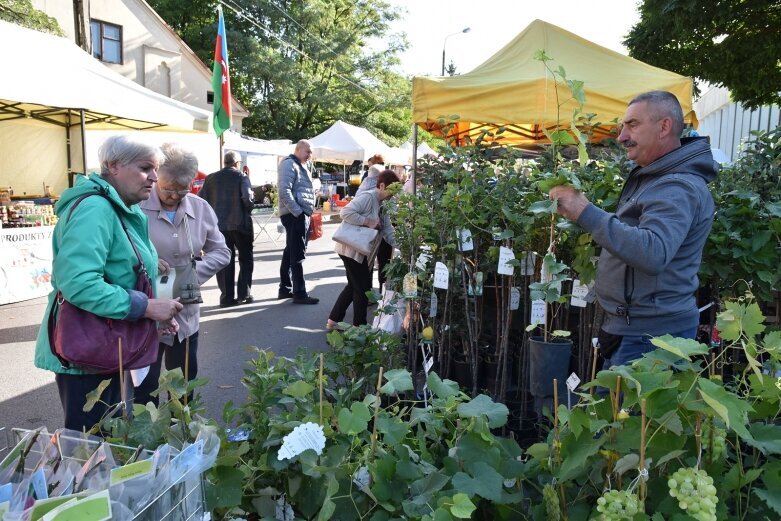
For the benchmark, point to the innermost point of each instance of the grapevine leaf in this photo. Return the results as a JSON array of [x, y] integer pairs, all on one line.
[[93, 396], [576, 454], [393, 429], [767, 438], [298, 389], [628, 462], [773, 499], [441, 388], [462, 506], [683, 347], [485, 482], [737, 318], [399, 380], [483, 405], [354, 420], [728, 406]]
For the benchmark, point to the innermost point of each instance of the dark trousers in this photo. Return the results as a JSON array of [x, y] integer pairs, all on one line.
[[175, 356], [73, 389], [384, 253], [359, 281], [226, 277], [291, 270]]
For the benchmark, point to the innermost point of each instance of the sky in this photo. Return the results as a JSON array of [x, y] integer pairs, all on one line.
[[493, 23]]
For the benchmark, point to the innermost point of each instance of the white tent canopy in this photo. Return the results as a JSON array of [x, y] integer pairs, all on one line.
[[423, 149], [343, 143], [51, 88]]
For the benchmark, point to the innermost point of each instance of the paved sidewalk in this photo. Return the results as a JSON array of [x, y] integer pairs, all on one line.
[[28, 396]]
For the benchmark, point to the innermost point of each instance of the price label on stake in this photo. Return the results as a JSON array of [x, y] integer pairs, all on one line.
[[515, 298], [423, 259], [434, 303], [505, 256], [579, 292], [464, 236], [527, 263], [539, 313], [441, 276], [573, 382]]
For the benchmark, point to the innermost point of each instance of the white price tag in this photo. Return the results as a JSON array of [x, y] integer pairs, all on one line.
[[505, 255], [579, 292], [305, 436], [362, 478], [423, 259], [441, 276], [434, 302], [539, 313], [464, 236], [283, 510], [572, 382], [515, 298], [527, 263], [138, 375]]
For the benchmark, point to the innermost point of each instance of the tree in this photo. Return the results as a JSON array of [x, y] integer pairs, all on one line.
[[299, 65], [731, 43], [21, 12]]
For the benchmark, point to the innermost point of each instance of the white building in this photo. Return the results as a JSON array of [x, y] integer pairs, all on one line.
[[728, 123]]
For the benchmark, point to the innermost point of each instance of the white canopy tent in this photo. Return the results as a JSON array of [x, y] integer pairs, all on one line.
[[343, 143], [52, 92]]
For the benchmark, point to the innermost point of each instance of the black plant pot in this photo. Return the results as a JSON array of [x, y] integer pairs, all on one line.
[[461, 372], [548, 360]]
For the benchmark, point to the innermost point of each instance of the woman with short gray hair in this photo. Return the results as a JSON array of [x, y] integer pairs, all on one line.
[[191, 249]]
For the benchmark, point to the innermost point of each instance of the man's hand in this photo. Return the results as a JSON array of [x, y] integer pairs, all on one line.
[[571, 202]]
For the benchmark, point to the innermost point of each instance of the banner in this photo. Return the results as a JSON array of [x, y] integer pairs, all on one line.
[[25, 263]]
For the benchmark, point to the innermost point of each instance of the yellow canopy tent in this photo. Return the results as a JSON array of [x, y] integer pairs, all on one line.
[[514, 90]]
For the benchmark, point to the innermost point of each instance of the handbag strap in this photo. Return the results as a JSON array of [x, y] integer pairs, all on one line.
[[140, 268], [189, 239]]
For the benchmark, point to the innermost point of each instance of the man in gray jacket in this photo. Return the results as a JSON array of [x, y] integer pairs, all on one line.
[[652, 246], [296, 204]]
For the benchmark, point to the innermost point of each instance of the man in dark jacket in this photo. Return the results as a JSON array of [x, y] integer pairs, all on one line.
[[296, 204], [652, 246], [229, 193]]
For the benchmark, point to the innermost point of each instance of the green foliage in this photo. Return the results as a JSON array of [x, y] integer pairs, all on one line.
[[22, 12], [303, 65], [717, 41]]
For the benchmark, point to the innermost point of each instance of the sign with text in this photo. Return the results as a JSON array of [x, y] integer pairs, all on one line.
[[25, 263]]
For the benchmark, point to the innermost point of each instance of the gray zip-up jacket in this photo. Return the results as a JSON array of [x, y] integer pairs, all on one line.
[[652, 246], [296, 194]]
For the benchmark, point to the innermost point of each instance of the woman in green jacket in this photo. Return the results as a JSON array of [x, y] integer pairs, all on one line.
[[90, 249]]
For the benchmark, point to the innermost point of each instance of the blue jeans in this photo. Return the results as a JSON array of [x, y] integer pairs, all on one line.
[[291, 271], [633, 347]]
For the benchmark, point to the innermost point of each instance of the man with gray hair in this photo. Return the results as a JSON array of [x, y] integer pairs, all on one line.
[[296, 204], [229, 193], [652, 245]]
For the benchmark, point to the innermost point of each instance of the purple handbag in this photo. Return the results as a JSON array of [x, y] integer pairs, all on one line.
[[90, 342]]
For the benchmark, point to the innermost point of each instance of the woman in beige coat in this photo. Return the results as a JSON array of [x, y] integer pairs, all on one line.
[[364, 210]]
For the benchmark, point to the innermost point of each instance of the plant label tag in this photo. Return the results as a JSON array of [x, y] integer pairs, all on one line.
[[505, 256], [572, 382], [5, 492], [138, 375], [96, 507], [527, 263], [283, 510], [362, 478], [441, 276], [305, 436], [545, 275], [186, 460], [434, 303], [428, 360], [579, 292], [539, 314], [38, 482], [422, 261], [464, 236], [131, 471], [515, 298]]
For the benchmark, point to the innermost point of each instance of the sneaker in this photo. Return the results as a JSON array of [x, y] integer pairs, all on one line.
[[284, 294], [229, 303], [305, 300]]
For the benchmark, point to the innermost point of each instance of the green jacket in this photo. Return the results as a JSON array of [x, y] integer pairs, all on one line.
[[93, 260]]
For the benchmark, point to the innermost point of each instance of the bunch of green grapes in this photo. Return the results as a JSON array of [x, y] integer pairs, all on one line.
[[695, 493], [719, 441], [617, 504], [551, 501]]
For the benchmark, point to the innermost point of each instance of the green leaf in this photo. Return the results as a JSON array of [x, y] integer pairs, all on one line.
[[545, 185], [484, 482], [93, 397], [774, 208], [766, 437], [354, 420], [546, 206], [560, 137], [740, 318], [482, 405], [577, 453], [627, 462], [299, 389], [683, 347], [224, 486], [393, 429], [462, 506], [728, 406], [399, 380], [442, 388], [578, 420], [773, 499]]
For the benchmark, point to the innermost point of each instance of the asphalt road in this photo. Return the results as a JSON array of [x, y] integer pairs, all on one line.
[[28, 396]]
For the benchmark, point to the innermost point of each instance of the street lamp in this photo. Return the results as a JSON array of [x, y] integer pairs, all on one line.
[[464, 30]]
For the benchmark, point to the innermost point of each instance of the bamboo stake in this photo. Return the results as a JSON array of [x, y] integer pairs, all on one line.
[[642, 448], [122, 394], [186, 367], [557, 442], [594, 368], [321, 388], [376, 412]]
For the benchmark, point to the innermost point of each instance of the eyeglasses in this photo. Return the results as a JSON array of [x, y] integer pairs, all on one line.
[[180, 193]]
